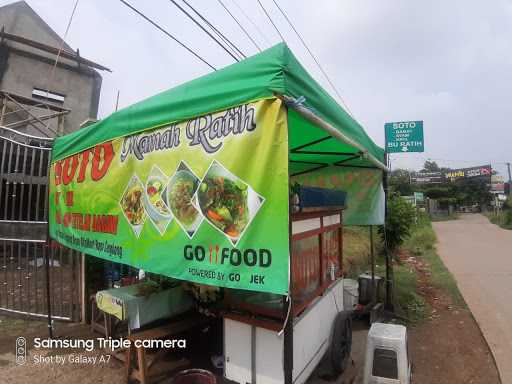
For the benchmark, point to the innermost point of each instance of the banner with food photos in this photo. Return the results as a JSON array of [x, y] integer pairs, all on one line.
[[203, 200]]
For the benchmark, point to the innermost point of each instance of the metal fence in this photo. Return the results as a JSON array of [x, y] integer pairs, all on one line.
[[24, 181], [24, 164], [23, 279]]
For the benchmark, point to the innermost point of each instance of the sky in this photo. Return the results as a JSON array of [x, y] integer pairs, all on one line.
[[448, 63]]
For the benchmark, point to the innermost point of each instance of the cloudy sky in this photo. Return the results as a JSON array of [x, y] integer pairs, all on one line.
[[448, 63]]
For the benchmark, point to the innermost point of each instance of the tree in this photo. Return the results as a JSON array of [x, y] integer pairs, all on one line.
[[430, 166], [446, 194], [400, 181], [473, 192]]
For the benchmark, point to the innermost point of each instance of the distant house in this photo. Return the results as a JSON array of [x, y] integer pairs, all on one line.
[[28, 51]]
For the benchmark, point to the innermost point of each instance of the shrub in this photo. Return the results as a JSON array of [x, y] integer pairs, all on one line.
[[399, 221], [508, 217], [508, 203]]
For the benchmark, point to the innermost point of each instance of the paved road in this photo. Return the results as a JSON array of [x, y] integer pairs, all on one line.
[[479, 255]]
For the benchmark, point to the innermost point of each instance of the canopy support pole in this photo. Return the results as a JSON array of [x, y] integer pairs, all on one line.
[[310, 116], [372, 260], [47, 263]]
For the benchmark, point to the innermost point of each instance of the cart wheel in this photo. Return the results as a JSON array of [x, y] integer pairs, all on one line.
[[341, 344]]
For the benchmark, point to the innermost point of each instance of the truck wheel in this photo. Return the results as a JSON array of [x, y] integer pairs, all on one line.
[[341, 344]]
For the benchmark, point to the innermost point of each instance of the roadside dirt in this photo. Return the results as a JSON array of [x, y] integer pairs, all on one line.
[[448, 347]]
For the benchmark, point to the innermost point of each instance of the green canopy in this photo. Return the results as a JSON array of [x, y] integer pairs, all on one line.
[[273, 72], [159, 201]]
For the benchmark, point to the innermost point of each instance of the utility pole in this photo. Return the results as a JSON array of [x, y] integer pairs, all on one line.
[[509, 176]]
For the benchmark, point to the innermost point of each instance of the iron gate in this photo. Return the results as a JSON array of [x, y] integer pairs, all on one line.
[[24, 164]]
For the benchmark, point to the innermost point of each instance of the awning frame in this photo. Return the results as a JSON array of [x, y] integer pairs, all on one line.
[[334, 133]]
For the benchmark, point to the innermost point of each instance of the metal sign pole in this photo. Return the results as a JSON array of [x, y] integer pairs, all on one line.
[[508, 185], [388, 303]]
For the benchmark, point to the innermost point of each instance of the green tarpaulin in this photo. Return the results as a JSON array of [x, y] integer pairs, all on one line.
[[274, 71], [193, 183]]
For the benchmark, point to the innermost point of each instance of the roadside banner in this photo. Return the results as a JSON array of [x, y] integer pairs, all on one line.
[[482, 172], [427, 178], [203, 200]]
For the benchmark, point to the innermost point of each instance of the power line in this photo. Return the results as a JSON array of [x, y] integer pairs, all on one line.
[[54, 66], [252, 22], [271, 21], [313, 56], [61, 46], [217, 32], [205, 30], [167, 33], [238, 23]]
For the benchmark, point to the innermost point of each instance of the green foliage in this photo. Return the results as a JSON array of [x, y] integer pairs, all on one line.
[[400, 181], [406, 295], [507, 220], [508, 203], [399, 221], [473, 192], [431, 166], [424, 237], [441, 191], [504, 219]]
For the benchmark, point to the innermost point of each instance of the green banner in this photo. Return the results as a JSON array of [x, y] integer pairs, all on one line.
[[365, 196], [203, 200]]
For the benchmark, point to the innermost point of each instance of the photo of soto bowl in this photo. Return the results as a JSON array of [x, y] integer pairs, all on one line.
[[226, 201], [180, 191], [156, 207], [132, 204]]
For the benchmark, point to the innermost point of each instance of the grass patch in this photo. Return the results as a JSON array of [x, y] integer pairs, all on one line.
[[407, 302], [356, 250], [405, 293], [453, 216], [422, 245], [502, 219]]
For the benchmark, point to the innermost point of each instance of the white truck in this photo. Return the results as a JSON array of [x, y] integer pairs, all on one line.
[[281, 343]]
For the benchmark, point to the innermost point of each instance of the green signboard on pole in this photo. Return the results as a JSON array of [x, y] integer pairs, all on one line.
[[404, 136], [419, 197]]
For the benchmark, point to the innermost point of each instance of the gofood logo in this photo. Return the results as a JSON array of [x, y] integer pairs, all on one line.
[[232, 256]]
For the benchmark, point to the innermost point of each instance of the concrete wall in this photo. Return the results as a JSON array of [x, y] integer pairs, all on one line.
[[81, 88], [29, 68]]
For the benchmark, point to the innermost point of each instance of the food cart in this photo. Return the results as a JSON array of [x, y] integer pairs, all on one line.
[[241, 179]]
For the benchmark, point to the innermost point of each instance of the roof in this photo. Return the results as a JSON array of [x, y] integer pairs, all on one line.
[[273, 71], [22, 7], [23, 27]]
